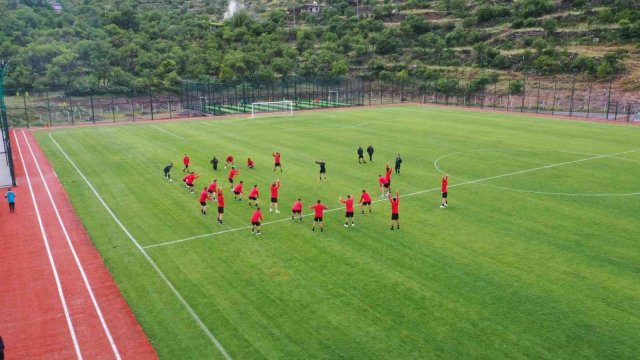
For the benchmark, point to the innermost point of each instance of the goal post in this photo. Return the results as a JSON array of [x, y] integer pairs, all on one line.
[[284, 106], [334, 96]]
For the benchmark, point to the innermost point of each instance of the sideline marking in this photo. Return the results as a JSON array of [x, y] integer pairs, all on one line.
[[51, 260], [465, 182], [597, 156], [167, 132], [75, 256], [153, 264]]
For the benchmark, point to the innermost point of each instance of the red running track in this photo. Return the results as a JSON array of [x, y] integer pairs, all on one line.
[[54, 305]]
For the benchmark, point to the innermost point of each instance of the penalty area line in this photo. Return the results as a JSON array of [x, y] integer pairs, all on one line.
[[167, 132], [153, 264], [466, 182]]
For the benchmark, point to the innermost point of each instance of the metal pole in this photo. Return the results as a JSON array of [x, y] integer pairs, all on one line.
[[615, 116], [4, 125], [495, 94], [538, 98], [524, 91], [93, 116], [553, 106], [608, 100], [48, 107], [589, 100], [113, 113], [26, 114], [509, 93], [573, 90], [133, 111], [151, 105]]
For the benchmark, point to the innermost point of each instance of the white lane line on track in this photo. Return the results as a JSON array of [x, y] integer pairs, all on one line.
[[153, 264], [167, 132], [75, 256], [466, 182], [52, 262]]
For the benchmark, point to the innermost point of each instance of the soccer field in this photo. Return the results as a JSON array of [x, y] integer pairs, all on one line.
[[536, 256]]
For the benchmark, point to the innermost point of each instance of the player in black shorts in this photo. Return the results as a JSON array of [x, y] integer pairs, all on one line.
[[361, 155], [323, 169], [167, 171]]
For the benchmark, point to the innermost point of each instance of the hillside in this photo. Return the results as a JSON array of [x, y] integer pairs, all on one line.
[[118, 45]]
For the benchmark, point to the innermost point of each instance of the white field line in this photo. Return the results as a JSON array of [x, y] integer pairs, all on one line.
[[385, 199], [75, 256], [153, 264], [52, 262], [167, 132]]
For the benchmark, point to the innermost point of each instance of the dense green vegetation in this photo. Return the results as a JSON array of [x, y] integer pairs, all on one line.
[[515, 267], [117, 45]]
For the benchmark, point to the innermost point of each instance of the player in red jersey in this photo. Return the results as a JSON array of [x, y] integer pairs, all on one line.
[[188, 180], [319, 212], [228, 161], [186, 161], [444, 186], [275, 186], [237, 191], [232, 173], [255, 221], [348, 203], [395, 210], [365, 200], [213, 189], [250, 163], [220, 206], [276, 160], [254, 193], [384, 185], [204, 196], [388, 175], [297, 209]]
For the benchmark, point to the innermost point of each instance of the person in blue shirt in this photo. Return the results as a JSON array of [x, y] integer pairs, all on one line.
[[11, 199]]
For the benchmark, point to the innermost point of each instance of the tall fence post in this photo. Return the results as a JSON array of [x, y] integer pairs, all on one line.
[[48, 107], [133, 111], [509, 93], [93, 115], [113, 111], [24, 100], [538, 97], [151, 104], [71, 111], [573, 91], [589, 99], [553, 104], [524, 91], [608, 100]]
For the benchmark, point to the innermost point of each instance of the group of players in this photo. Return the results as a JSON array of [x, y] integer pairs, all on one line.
[[214, 192]]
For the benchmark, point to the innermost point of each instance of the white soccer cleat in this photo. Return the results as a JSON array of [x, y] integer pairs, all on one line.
[[354, 224], [277, 211], [270, 210], [441, 206], [345, 225]]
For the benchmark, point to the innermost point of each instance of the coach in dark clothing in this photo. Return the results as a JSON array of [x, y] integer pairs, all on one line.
[[360, 155], [1, 349], [398, 162], [370, 152]]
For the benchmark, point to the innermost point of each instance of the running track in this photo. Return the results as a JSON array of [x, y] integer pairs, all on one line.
[[55, 304]]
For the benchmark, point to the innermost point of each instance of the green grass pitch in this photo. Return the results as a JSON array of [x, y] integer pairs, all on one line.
[[537, 255]]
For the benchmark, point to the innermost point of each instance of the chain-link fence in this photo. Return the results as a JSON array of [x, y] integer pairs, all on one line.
[[49, 108], [566, 96], [569, 96]]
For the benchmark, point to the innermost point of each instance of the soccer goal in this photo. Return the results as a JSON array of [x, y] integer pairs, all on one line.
[[334, 96], [259, 108]]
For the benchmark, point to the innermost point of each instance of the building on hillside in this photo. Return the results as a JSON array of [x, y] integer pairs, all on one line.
[[314, 8], [56, 6]]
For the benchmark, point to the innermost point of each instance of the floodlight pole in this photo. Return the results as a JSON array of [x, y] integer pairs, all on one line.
[[4, 123]]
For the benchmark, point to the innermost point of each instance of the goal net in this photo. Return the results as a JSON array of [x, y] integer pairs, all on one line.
[[259, 108], [334, 96]]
